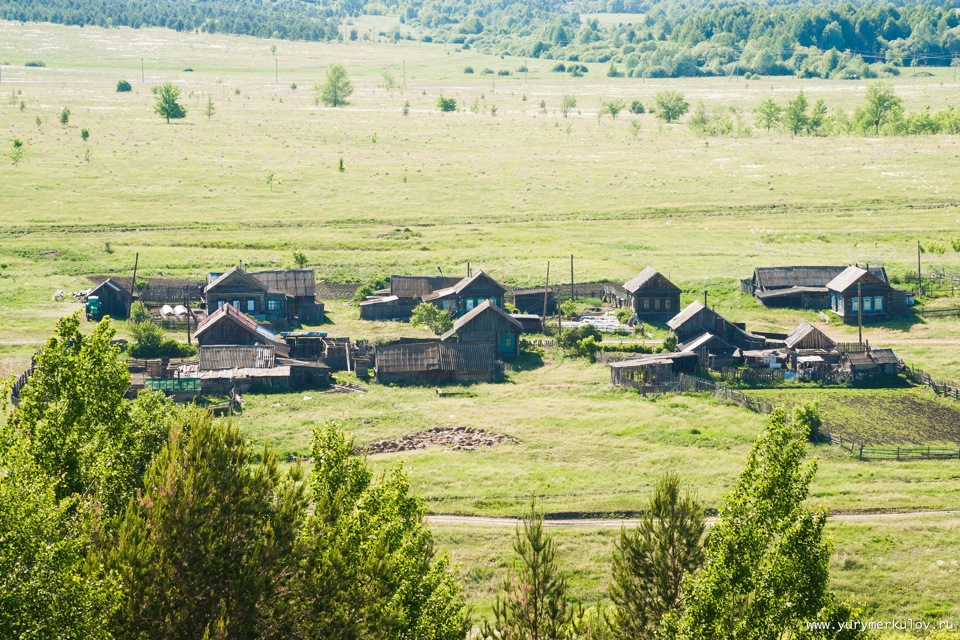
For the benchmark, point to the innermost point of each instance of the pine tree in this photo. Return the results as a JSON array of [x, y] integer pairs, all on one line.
[[533, 603], [651, 562]]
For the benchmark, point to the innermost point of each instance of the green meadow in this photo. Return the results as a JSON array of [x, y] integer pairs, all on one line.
[[507, 190]]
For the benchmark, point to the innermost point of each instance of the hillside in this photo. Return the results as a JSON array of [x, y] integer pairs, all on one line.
[[638, 38]]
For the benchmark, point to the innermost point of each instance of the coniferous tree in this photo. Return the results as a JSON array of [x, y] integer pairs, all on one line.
[[651, 562], [533, 603]]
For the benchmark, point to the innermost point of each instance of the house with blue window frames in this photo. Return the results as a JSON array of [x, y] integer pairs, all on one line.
[[249, 295], [858, 293], [468, 294]]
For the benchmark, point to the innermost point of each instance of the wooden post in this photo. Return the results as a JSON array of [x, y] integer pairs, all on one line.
[[860, 312], [919, 282], [133, 285], [546, 290]]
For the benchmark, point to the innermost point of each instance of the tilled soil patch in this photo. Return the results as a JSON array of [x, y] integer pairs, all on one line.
[[454, 438]]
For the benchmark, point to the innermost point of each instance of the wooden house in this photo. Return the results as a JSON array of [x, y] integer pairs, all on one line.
[[300, 288], [114, 298], [228, 326], [652, 296], [696, 320], [467, 294], [858, 365], [488, 324], [802, 287], [435, 363], [857, 293], [245, 293], [531, 300], [807, 337], [653, 369]]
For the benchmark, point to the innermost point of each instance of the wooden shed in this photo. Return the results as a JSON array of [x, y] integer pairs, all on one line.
[[488, 324], [228, 326], [802, 287], [652, 296], [653, 369], [806, 337], [531, 300], [300, 288], [114, 299], [435, 363]]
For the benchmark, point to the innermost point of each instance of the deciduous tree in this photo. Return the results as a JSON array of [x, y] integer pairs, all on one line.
[[336, 90], [671, 105], [880, 106], [167, 102], [769, 114]]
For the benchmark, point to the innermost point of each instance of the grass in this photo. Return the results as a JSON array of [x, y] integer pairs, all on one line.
[[879, 416], [507, 193], [894, 568]]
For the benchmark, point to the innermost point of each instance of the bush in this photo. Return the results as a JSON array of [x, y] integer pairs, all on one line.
[[487, 72], [468, 69], [559, 67], [503, 72], [123, 86], [139, 313], [34, 63], [376, 283], [430, 316], [150, 342], [446, 104], [636, 107], [624, 314]]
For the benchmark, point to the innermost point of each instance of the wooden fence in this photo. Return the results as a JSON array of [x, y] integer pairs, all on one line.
[[939, 313], [940, 386], [692, 384], [751, 375], [18, 385]]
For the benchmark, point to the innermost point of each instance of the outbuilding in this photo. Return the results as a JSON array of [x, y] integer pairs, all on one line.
[[488, 324]]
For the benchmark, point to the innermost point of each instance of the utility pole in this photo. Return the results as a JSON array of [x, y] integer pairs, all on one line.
[[133, 284], [546, 290], [571, 278], [919, 285], [186, 305], [860, 312]]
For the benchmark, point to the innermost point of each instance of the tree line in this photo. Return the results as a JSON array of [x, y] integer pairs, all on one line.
[[142, 519]]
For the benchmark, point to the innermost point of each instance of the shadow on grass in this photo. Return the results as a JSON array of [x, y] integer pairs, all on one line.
[[526, 361]]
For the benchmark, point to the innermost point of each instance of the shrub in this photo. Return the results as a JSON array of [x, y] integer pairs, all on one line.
[[150, 342], [636, 107], [522, 69], [446, 104], [503, 72], [367, 289], [139, 312], [487, 72], [956, 244], [559, 67], [468, 69], [123, 86], [624, 314], [430, 316], [34, 63]]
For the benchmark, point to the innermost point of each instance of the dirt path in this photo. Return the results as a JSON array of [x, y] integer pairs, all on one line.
[[599, 523]]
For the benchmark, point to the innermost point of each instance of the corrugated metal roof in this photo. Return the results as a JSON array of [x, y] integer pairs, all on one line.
[[227, 313], [419, 286], [236, 357], [697, 342], [299, 283]]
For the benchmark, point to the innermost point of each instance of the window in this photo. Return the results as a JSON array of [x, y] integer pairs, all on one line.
[[878, 303], [646, 305], [666, 305], [220, 304], [273, 305], [854, 304], [656, 305], [469, 304], [251, 305], [236, 304], [868, 304]]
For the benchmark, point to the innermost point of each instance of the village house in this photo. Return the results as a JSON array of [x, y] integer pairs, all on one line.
[[489, 324], [278, 297], [228, 326], [800, 287], [858, 294], [456, 295], [436, 362], [652, 296], [696, 320], [858, 365], [807, 337]]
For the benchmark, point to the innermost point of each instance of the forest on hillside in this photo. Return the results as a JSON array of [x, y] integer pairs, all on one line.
[[648, 38]]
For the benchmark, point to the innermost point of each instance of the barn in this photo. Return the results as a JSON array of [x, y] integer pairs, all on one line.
[[652, 296], [653, 369], [435, 363], [807, 337], [488, 324]]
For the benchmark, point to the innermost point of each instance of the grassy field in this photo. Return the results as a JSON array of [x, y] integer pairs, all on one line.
[[894, 568], [507, 192]]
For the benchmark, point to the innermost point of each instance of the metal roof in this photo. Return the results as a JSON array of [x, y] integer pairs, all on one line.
[[650, 359], [419, 286], [697, 342], [236, 357], [299, 283]]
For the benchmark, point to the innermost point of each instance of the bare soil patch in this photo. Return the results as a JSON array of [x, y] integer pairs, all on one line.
[[454, 438]]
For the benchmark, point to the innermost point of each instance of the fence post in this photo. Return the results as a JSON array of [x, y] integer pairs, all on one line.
[[898, 453]]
